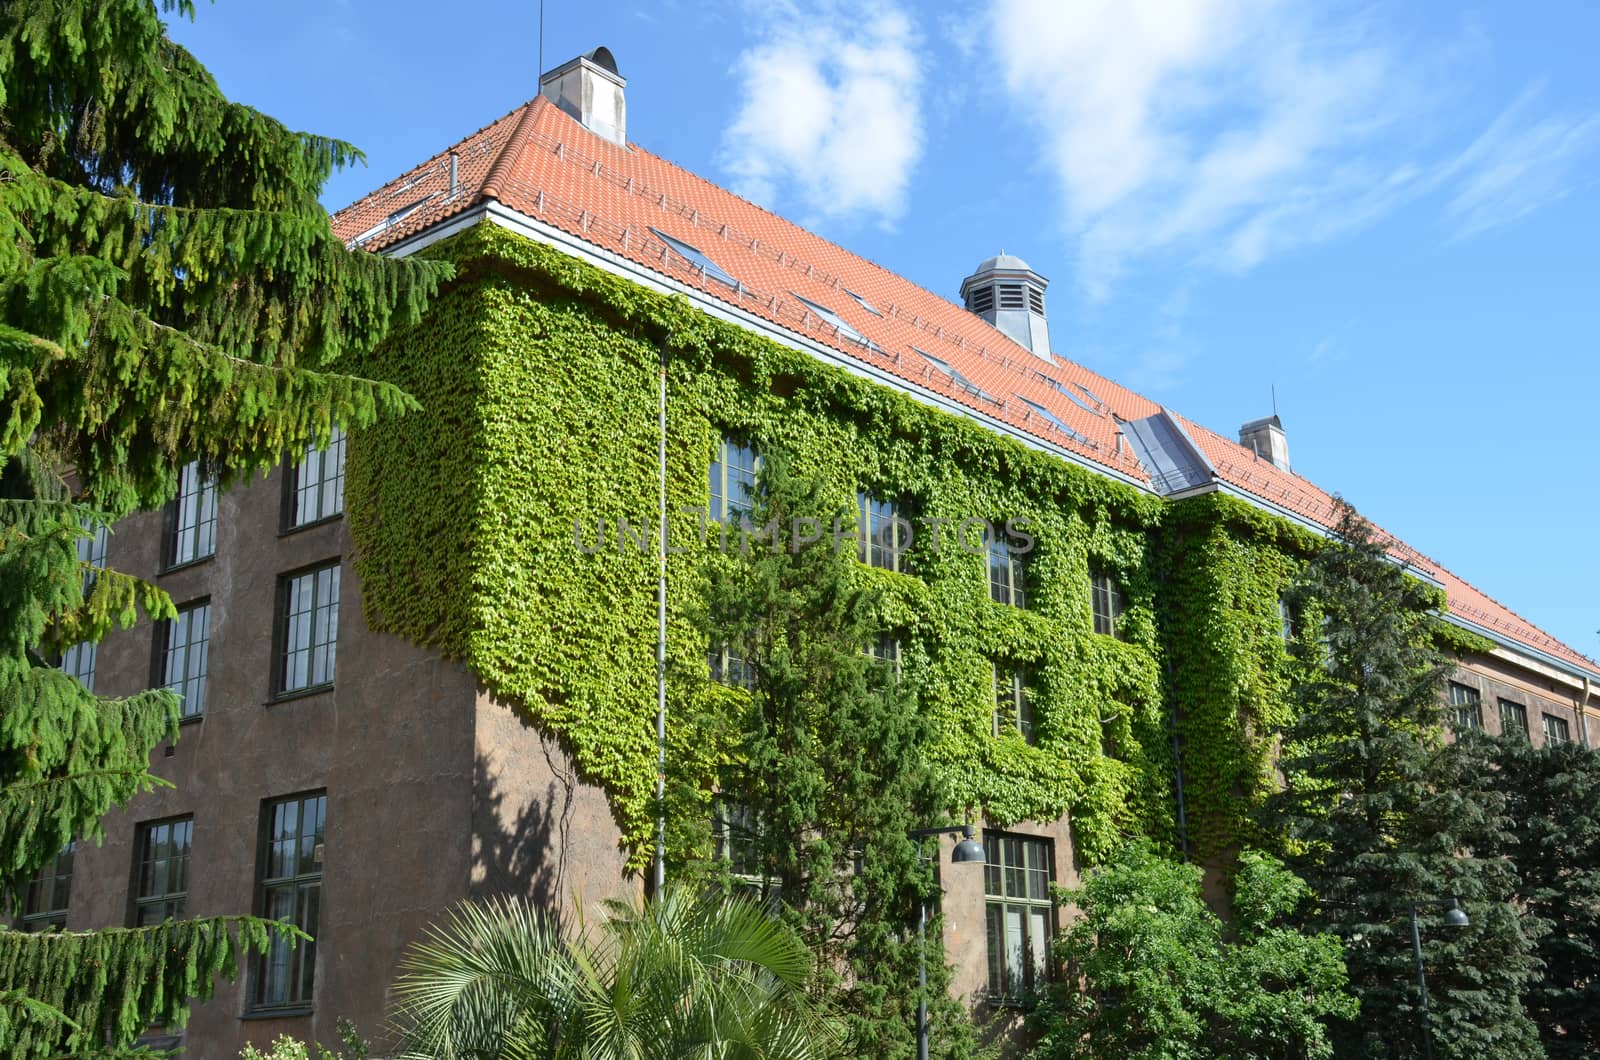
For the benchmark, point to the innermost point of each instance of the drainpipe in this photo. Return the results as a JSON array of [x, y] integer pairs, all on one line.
[[1583, 718]]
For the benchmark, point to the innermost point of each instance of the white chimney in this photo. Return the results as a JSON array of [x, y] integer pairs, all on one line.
[[1267, 440], [590, 90]]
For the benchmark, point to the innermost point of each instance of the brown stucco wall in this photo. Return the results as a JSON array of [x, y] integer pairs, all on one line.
[[392, 744], [1496, 678]]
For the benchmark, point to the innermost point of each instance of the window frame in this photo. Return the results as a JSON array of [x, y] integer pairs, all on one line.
[[722, 661], [296, 485], [172, 901], [1557, 730], [1463, 707], [204, 526], [997, 882], [162, 658], [59, 888], [884, 649], [718, 480], [1518, 715], [1107, 604], [873, 516], [301, 960], [281, 651], [1013, 707], [1008, 573]]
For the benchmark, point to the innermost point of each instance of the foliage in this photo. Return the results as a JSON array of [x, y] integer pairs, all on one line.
[[830, 759], [1152, 973], [539, 376], [287, 1048], [687, 975], [170, 290], [1551, 801], [1374, 821]]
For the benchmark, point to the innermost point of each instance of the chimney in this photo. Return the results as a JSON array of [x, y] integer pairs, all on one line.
[[590, 90], [1010, 295], [1267, 440]]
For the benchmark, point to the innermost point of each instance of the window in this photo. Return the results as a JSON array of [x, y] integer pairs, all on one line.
[[1285, 621], [184, 647], [192, 518], [696, 259], [44, 906], [729, 667], [317, 490], [1466, 711], [961, 381], [733, 481], [886, 650], [1556, 731], [1012, 710], [290, 873], [1050, 417], [828, 316], [1513, 718], [738, 836], [78, 661], [309, 604], [1008, 582], [1018, 913], [1105, 600], [864, 304], [163, 870], [883, 535]]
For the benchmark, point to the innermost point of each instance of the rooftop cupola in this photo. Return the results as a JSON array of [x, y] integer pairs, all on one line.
[[1008, 294], [590, 89], [1267, 440]]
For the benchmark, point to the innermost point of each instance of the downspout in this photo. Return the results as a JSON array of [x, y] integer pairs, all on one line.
[[1583, 718], [661, 635]]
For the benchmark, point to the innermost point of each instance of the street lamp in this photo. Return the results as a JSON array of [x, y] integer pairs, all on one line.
[[967, 852], [1456, 917]]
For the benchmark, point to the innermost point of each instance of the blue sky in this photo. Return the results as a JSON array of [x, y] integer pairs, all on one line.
[[1389, 213]]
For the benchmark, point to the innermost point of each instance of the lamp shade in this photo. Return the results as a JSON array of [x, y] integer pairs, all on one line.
[[1456, 917], [969, 850]]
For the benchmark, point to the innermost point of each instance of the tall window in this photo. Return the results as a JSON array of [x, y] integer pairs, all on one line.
[[1513, 718], [733, 481], [729, 667], [1012, 710], [79, 659], [309, 628], [44, 906], [1285, 621], [886, 650], [291, 889], [1018, 911], [318, 489], [1105, 600], [1008, 582], [1556, 731], [882, 533], [185, 647], [1466, 709], [192, 518], [163, 870], [738, 834]]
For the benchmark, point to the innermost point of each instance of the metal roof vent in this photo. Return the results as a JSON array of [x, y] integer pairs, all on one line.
[[1010, 295], [1266, 439], [590, 90]]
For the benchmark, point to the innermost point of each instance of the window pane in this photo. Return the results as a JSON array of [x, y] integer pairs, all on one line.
[[319, 482]]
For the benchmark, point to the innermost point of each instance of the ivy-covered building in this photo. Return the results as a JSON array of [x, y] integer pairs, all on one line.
[[421, 666]]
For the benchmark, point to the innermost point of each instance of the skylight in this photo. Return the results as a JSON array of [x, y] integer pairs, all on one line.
[[695, 258], [960, 380], [393, 219], [863, 303], [1064, 392], [828, 315], [1053, 418], [1092, 396]]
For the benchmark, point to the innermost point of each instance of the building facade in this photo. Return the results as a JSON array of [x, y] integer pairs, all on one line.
[[419, 667]]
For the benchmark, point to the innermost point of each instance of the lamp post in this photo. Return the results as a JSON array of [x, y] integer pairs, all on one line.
[[967, 852], [1455, 918]]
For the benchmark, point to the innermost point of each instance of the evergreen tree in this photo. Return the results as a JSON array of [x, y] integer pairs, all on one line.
[[1152, 974], [170, 291], [1551, 798], [1374, 823], [830, 772]]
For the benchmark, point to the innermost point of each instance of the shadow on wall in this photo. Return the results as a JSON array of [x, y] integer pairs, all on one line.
[[521, 826]]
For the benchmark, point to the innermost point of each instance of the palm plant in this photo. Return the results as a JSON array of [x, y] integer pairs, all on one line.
[[688, 976]]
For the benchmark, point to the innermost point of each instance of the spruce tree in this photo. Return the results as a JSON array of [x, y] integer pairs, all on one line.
[[170, 291], [1374, 823], [1551, 834], [829, 765]]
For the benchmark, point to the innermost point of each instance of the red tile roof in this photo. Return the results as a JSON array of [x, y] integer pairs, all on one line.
[[541, 163]]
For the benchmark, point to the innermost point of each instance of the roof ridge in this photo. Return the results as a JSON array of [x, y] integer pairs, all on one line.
[[490, 189]]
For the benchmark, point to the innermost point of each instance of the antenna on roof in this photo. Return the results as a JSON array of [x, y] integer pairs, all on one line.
[[1274, 398], [540, 72]]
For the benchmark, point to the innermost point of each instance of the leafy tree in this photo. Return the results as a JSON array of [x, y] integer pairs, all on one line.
[[287, 1048], [170, 291], [1374, 822], [1152, 972], [829, 759], [689, 975], [1551, 801]]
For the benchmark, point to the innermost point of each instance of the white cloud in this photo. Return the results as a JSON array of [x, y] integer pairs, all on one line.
[[1228, 131], [830, 114]]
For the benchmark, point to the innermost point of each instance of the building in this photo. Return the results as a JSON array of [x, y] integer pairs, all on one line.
[[449, 691]]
